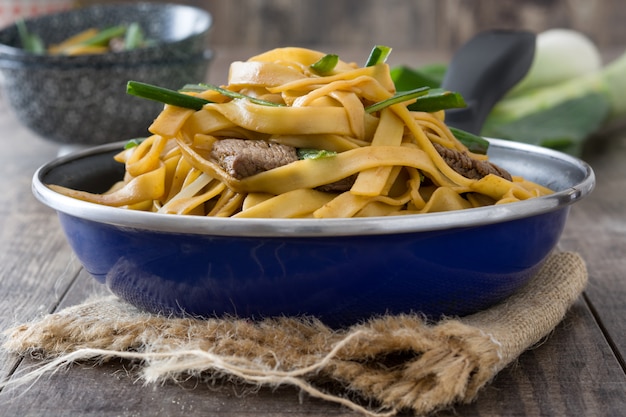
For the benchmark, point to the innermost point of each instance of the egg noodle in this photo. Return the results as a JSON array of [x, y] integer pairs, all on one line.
[[390, 155]]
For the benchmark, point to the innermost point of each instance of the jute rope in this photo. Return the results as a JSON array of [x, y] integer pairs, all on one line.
[[399, 363]]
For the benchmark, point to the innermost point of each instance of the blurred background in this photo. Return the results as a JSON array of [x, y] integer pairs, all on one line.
[[419, 31], [417, 24]]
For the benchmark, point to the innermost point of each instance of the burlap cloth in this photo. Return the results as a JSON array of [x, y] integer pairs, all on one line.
[[386, 365]]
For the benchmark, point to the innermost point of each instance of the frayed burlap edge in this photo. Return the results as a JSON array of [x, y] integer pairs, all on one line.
[[398, 362]]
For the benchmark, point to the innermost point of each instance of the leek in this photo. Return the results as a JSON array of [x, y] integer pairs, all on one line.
[[566, 97], [563, 115], [560, 54]]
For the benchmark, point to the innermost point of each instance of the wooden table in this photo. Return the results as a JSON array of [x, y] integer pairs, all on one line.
[[578, 371]]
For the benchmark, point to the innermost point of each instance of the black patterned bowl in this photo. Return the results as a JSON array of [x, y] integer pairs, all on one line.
[[88, 105], [82, 100], [176, 31]]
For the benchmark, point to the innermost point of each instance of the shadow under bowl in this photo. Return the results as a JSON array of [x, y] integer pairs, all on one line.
[[340, 270]]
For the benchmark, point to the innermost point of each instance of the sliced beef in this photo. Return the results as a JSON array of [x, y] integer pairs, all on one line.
[[471, 168], [242, 158], [338, 186]]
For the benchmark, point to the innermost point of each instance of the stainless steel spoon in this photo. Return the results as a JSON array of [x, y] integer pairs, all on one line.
[[483, 70]]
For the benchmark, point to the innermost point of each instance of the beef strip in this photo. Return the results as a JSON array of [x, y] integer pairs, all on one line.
[[242, 158], [471, 168], [338, 186]]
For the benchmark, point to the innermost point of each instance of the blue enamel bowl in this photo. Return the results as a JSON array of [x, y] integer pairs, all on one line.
[[340, 270]]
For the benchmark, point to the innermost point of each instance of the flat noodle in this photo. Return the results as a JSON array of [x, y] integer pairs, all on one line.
[[390, 133], [389, 155]]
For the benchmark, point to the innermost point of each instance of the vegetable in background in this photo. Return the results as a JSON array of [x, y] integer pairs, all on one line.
[[565, 114], [406, 78], [134, 37], [88, 41], [560, 54], [565, 98], [31, 42]]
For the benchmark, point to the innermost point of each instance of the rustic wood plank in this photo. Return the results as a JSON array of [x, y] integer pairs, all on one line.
[[36, 266], [87, 390], [597, 229], [573, 372], [108, 391]]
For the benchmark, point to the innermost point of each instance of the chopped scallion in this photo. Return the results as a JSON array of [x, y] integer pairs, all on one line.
[[103, 37], [308, 153], [378, 55], [134, 37], [228, 93], [398, 98], [133, 142], [438, 99], [325, 64], [164, 95], [31, 42]]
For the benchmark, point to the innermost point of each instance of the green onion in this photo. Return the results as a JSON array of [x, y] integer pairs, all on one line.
[[103, 37], [325, 64], [398, 98], [133, 142], [31, 42], [228, 93], [378, 55], [164, 95], [134, 37], [309, 153], [474, 143], [438, 99]]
